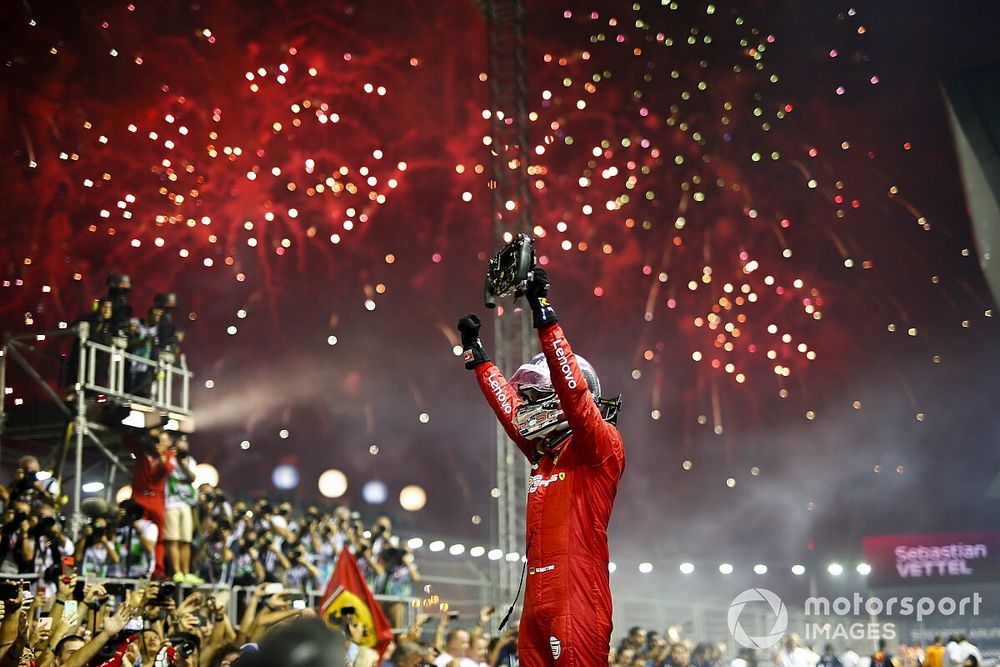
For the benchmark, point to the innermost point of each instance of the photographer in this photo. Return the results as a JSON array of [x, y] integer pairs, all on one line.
[[271, 557], [154, 461], [96, 551], [279, 521], [51, 544], [324, 546], [168, 335], [551, 409], [382, 537], [178, 528], [17, 548], [142, 343], [26, 484], [300, 574], [399, 573], [247, 569], [136, 542], [119, 285], [212, 504], [102, 322], [215, 550]]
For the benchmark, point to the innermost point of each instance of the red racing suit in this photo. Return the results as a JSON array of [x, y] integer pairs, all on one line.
[[566, 619], [149, 488]]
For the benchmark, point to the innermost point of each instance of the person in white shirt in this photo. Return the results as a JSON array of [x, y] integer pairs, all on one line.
[[793, 655], [953, 653], [178, 526], [969, 650], [850, 658], [457, 646], [747, 657]]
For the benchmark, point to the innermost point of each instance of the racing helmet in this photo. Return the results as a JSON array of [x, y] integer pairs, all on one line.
[[539, 415]]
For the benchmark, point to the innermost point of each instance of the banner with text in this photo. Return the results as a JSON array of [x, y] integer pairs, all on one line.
[[931, 558]]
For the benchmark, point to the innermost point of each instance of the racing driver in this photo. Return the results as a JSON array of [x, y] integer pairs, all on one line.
[[551, 409]]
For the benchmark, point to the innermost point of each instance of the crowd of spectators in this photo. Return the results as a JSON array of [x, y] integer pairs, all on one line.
[[149, 582], [642, 648]]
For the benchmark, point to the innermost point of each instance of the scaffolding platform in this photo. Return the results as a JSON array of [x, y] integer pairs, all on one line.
[[85, 401]]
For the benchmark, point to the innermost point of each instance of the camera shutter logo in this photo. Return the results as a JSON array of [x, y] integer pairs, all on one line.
[[777, 608]]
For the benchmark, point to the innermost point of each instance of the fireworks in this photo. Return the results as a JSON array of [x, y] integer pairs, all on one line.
[[721, 223]]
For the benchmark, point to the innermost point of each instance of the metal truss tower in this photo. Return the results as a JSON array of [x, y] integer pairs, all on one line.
[[510, 183]]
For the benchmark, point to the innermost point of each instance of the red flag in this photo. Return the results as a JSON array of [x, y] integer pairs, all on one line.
[[346, 589]]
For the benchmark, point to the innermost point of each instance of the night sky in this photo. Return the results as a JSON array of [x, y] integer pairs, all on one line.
[[751, 214]]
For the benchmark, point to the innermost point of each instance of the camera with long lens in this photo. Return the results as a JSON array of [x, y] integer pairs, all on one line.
[[508, 270], [166, 591]]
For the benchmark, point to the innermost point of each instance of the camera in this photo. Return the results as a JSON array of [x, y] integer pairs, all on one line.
[[15, 522], [133, 510], [185, 645], [116, 589], [44, 525], [508, 270], [9, 591], [167, 590], [392, 557]]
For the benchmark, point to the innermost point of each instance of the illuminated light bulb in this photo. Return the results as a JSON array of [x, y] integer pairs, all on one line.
[[412, 498]]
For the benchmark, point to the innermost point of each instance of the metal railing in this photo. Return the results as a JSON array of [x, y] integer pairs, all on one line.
[[106, 368]]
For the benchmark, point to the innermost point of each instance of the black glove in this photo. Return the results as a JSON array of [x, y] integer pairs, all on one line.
[[474, 352], [537, 295]]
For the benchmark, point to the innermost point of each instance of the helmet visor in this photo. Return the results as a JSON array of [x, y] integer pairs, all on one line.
[[532, 382]]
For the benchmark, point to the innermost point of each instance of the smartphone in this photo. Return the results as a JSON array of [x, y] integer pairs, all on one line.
[[274, 589], [9, 591], [298, 604], [70, 609], [78, 590], [68, 568]]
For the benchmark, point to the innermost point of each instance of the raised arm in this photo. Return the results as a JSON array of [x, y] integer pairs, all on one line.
[[499, 395], [593, 438]]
